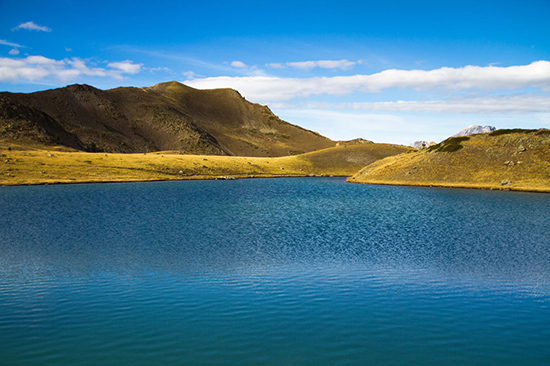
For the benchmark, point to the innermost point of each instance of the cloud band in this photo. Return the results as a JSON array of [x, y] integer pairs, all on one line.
[[269, 89]]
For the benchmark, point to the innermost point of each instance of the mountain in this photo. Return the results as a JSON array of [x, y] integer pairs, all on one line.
[[474, 129], [167, 116], [503, 159]]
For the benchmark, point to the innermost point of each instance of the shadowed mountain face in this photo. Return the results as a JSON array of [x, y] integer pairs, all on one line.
[[167, 116]]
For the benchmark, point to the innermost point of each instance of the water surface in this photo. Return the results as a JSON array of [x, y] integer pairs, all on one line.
[[273, 272]]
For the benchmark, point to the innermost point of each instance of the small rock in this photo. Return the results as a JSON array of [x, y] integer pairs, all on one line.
[[282, 168], [509, 163], [521, 148], [51, 155], [506, 182], [181, 171]]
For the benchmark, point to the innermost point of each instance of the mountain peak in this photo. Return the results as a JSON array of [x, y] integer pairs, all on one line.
[[166, 116], [474, 129]]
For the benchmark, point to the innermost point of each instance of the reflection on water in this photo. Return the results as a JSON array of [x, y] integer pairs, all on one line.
[[281, 271]]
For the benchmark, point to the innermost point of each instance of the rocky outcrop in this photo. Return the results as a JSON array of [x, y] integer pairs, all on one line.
[[422, 144]]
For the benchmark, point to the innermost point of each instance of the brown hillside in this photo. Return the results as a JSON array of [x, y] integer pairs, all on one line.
[[503, 159], [167, 116]]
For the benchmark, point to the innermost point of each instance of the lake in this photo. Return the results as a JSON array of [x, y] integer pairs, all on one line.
[[287, 271]]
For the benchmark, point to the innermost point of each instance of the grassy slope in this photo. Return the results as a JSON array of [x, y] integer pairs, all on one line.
[[40, 164], [479, 163]]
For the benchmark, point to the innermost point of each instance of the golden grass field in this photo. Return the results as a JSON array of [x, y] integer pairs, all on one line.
[[504, 160], [26, 163]]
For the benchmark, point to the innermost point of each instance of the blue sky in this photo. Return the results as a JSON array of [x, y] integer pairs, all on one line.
[[391, 71]]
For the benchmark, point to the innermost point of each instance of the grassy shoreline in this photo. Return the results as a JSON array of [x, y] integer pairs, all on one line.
[[25, 164]]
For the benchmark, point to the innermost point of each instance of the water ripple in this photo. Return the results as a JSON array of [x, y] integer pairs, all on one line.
[[287, 271]]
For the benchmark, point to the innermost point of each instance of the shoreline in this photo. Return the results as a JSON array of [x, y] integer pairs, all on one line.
[[190, 178], [454, 185], [269, 176]]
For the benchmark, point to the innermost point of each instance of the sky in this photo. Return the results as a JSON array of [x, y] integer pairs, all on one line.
[[387, 71]]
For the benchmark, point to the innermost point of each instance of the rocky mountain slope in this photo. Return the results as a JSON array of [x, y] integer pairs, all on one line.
[[167, 116], [502, 159]]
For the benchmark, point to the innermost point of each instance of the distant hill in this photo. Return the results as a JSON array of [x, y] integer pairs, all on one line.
[[502, 159], [167, 116]]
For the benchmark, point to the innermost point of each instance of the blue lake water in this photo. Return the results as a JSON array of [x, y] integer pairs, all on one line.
[[273, 272]]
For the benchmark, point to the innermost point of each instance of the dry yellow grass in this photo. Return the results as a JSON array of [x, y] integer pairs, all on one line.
[[37, 164], [509, 161]]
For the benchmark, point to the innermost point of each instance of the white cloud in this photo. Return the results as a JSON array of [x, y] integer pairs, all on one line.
[[502, 104], [527, 103], [269, 89], [324, 64], [302, 65], [35, 68], [158, 69], [341, 64], [6, 43], [32, 26], [190, 74], [14, 52], [79, 67], [238, 64], [128, 67], [275, 66]]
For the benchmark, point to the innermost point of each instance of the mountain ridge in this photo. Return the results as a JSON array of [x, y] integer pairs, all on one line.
[[166, 116]]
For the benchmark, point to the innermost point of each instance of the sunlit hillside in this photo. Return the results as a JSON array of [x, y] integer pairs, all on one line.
[[503, 159], [40, 164]]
